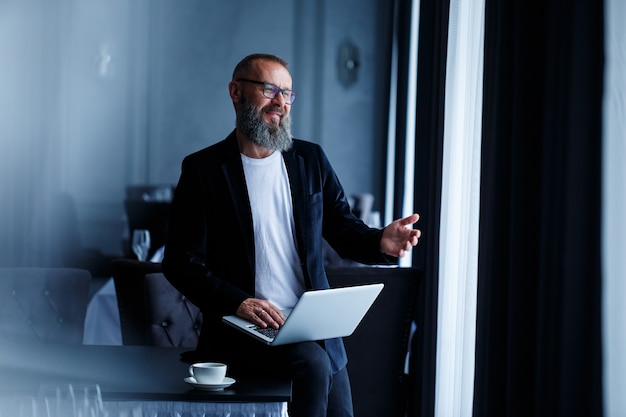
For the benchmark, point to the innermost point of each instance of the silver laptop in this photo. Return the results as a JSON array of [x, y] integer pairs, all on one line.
[[318, 315]]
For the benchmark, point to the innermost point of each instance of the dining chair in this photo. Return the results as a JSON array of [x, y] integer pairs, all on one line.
[[377, 350], [152, 312], [43, 304], [172, 320], [128, 275]]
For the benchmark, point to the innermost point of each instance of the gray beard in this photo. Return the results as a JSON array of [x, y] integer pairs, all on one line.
[[250, 123]]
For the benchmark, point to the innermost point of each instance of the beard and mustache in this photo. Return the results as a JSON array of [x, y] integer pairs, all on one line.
[[273, 137]]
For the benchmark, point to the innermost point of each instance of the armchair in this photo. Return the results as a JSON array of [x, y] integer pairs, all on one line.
[[128, 275], [171, 318], [43, 304]]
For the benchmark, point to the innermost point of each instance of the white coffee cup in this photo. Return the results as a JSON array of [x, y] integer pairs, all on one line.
[[208, 372]]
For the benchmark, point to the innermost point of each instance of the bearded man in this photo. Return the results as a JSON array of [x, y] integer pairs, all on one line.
[[248, 219]]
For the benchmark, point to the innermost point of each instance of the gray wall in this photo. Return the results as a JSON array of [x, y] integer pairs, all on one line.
[[99, 94]]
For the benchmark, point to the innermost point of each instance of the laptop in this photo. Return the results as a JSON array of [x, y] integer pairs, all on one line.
[[318, 315]]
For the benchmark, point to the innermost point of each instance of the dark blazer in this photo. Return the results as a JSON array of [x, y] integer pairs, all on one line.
[[209, 254]]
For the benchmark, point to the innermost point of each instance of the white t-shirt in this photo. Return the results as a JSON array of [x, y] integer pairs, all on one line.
[[279, 276]]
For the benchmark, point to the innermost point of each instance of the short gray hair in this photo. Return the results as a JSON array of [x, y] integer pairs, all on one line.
[[245, 65]]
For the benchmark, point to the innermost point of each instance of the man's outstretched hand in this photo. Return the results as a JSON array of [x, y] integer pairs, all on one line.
[[400, 236]]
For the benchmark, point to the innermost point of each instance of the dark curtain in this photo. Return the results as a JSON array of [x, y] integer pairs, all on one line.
[[432, 52], [538, 342]]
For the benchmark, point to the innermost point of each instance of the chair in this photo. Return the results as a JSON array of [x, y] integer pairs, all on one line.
[[377, 349], [171, 318], [152, 311], [128, 275], [43, 304]]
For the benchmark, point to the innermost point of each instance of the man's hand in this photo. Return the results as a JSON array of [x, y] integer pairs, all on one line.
[[399, 237], [261, 312]]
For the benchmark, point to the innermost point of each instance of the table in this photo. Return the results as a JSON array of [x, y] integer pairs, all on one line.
[[146, 375]]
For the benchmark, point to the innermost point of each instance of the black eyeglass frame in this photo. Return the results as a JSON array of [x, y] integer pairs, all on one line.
[[288, 95]]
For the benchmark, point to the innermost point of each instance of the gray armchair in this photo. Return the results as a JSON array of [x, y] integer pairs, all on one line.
[[128, 275], [171, 318], [152, 311], [43, 304]]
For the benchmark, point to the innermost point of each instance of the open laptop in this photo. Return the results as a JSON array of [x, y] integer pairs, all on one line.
[[318, 315]]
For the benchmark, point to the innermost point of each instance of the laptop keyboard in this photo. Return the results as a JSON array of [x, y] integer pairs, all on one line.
[[268, 331]]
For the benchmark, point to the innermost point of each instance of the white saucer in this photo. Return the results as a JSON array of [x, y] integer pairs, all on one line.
[[227, 382]]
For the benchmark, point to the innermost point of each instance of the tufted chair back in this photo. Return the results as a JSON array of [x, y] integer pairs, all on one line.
[[128, 277], [152, 312], [43, 304], [172, 319]]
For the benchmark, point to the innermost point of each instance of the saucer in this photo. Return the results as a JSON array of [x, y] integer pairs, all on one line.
[[227, 382]]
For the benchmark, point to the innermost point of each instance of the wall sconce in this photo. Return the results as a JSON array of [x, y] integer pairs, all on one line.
[[102, 61], [348, 63]]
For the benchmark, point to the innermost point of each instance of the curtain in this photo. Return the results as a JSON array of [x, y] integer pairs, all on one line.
[[460, 210], [613, 207], [29, 182], [538, 348], [431, 69]]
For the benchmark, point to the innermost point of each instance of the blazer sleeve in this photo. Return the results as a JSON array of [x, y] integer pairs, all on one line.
[[184, 258], [344, 231]]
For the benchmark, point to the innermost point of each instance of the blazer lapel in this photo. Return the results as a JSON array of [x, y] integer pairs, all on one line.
[[232, 170], [299, 198]]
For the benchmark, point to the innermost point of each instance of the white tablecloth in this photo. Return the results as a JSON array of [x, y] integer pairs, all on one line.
[[193, 409], [102, 323]]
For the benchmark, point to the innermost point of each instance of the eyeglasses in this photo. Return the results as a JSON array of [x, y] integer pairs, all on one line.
[[271, 90]]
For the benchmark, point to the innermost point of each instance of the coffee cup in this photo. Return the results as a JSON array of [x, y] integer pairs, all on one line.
[[208, 372]]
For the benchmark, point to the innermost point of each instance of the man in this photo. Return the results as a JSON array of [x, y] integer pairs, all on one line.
[[245, 236]]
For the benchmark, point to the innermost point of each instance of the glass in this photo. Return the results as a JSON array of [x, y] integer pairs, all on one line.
[[57, 401], [271, 90], [71, 400], [87, 400], [141, 243]]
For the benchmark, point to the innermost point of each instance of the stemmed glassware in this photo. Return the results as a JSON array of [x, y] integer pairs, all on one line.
[[87, 400], [141, 243], [71, 400], [56, 400]]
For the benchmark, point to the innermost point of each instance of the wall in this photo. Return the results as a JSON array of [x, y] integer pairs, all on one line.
[[99, 94]]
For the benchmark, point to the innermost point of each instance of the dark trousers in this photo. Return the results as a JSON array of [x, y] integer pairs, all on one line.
[[316, 391]]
